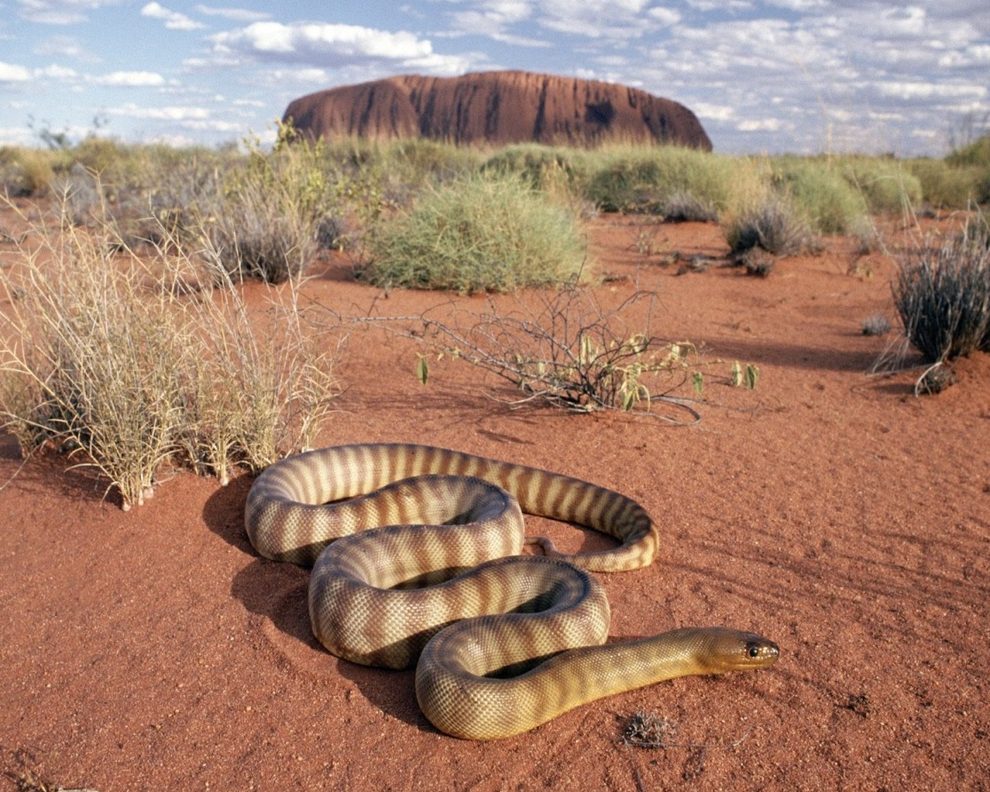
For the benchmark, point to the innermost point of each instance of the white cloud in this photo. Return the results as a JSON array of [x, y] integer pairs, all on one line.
[[233, 14], [16, 136], [130, 79], [56, 72], [324, 45], [760, 125], [665, 16], [12, 72], [176, 113], [613, 19], [65, 47], [60, 12], [173, 19], [494, 20]]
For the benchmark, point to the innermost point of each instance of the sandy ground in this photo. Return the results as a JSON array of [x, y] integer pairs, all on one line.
[[829, 510]]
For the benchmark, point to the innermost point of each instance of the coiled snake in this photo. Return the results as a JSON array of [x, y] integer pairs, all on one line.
[[504, 642]]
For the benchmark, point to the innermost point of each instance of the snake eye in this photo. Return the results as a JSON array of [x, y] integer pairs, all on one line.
[[753, 650]]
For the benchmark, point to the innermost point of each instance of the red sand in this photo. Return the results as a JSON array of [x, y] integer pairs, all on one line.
[[829, 510]]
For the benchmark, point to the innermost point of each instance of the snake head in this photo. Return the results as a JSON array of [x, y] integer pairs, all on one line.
[[720, 649]]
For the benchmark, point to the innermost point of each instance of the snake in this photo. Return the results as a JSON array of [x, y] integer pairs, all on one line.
[[417, 556]]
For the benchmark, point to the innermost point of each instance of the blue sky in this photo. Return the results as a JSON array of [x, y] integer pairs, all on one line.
[[782, 75]]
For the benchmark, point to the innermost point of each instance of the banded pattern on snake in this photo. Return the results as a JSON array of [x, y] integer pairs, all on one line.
[[504, 642]]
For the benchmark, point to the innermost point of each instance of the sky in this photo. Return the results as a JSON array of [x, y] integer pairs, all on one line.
[[801, 76]]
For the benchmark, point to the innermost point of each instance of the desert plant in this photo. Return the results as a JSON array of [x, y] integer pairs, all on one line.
[[264, 224], [25, 171], [886, 185], [947, 186], [90, 344], [875, 325], [479, 234], [942, 293], [828, 201], [772, 223], [127, 361], [644, 179], [571, 352]]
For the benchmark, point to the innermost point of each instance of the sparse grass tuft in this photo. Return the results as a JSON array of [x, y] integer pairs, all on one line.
[[479, 234], [126, 361], [942, 294], [644, 730], [266, 221], [772, 223], [876, 325]]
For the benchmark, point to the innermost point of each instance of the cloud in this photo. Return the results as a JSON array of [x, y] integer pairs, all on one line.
[[60, 12], [130, 79], [333, 45], [56, 72], [11, 73], [14, 73], [493, 19], [233, 14], [174, 113], [65, 47], [612, 19], [173, 19]]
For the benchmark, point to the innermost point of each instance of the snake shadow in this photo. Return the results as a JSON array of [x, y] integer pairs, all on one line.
[[277, 592]]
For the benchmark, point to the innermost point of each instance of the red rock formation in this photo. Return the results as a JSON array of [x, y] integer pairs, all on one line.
[[497, 107]]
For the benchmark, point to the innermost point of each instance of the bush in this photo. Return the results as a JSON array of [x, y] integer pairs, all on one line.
[[25, 172], [772, 223], [886, 185], [946, 186], [830, 204], [122, 361], [264, 224], [647, 179], [942, 294], [479, 234]]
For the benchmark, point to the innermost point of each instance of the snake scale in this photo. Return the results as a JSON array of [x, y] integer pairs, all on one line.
[[416, 561]]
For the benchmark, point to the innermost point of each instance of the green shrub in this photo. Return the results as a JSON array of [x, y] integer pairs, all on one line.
[[539, 164], [886, 184], [642, 179], [946, 186], [942, 294], [830, 203], [975, 153], [479, 234]]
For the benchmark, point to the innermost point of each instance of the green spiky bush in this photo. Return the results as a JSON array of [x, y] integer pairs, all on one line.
[[479, 234], [830, 204], [886, 184], [646, 179], [946, 186]]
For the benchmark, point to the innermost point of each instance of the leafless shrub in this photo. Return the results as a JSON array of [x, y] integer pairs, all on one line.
[[571, 352]]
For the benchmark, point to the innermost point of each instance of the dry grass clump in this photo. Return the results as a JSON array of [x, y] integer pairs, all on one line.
[[942, 294], [126, 362], [771, 222]]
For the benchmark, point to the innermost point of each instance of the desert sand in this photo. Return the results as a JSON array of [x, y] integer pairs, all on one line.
[[828, 509]]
